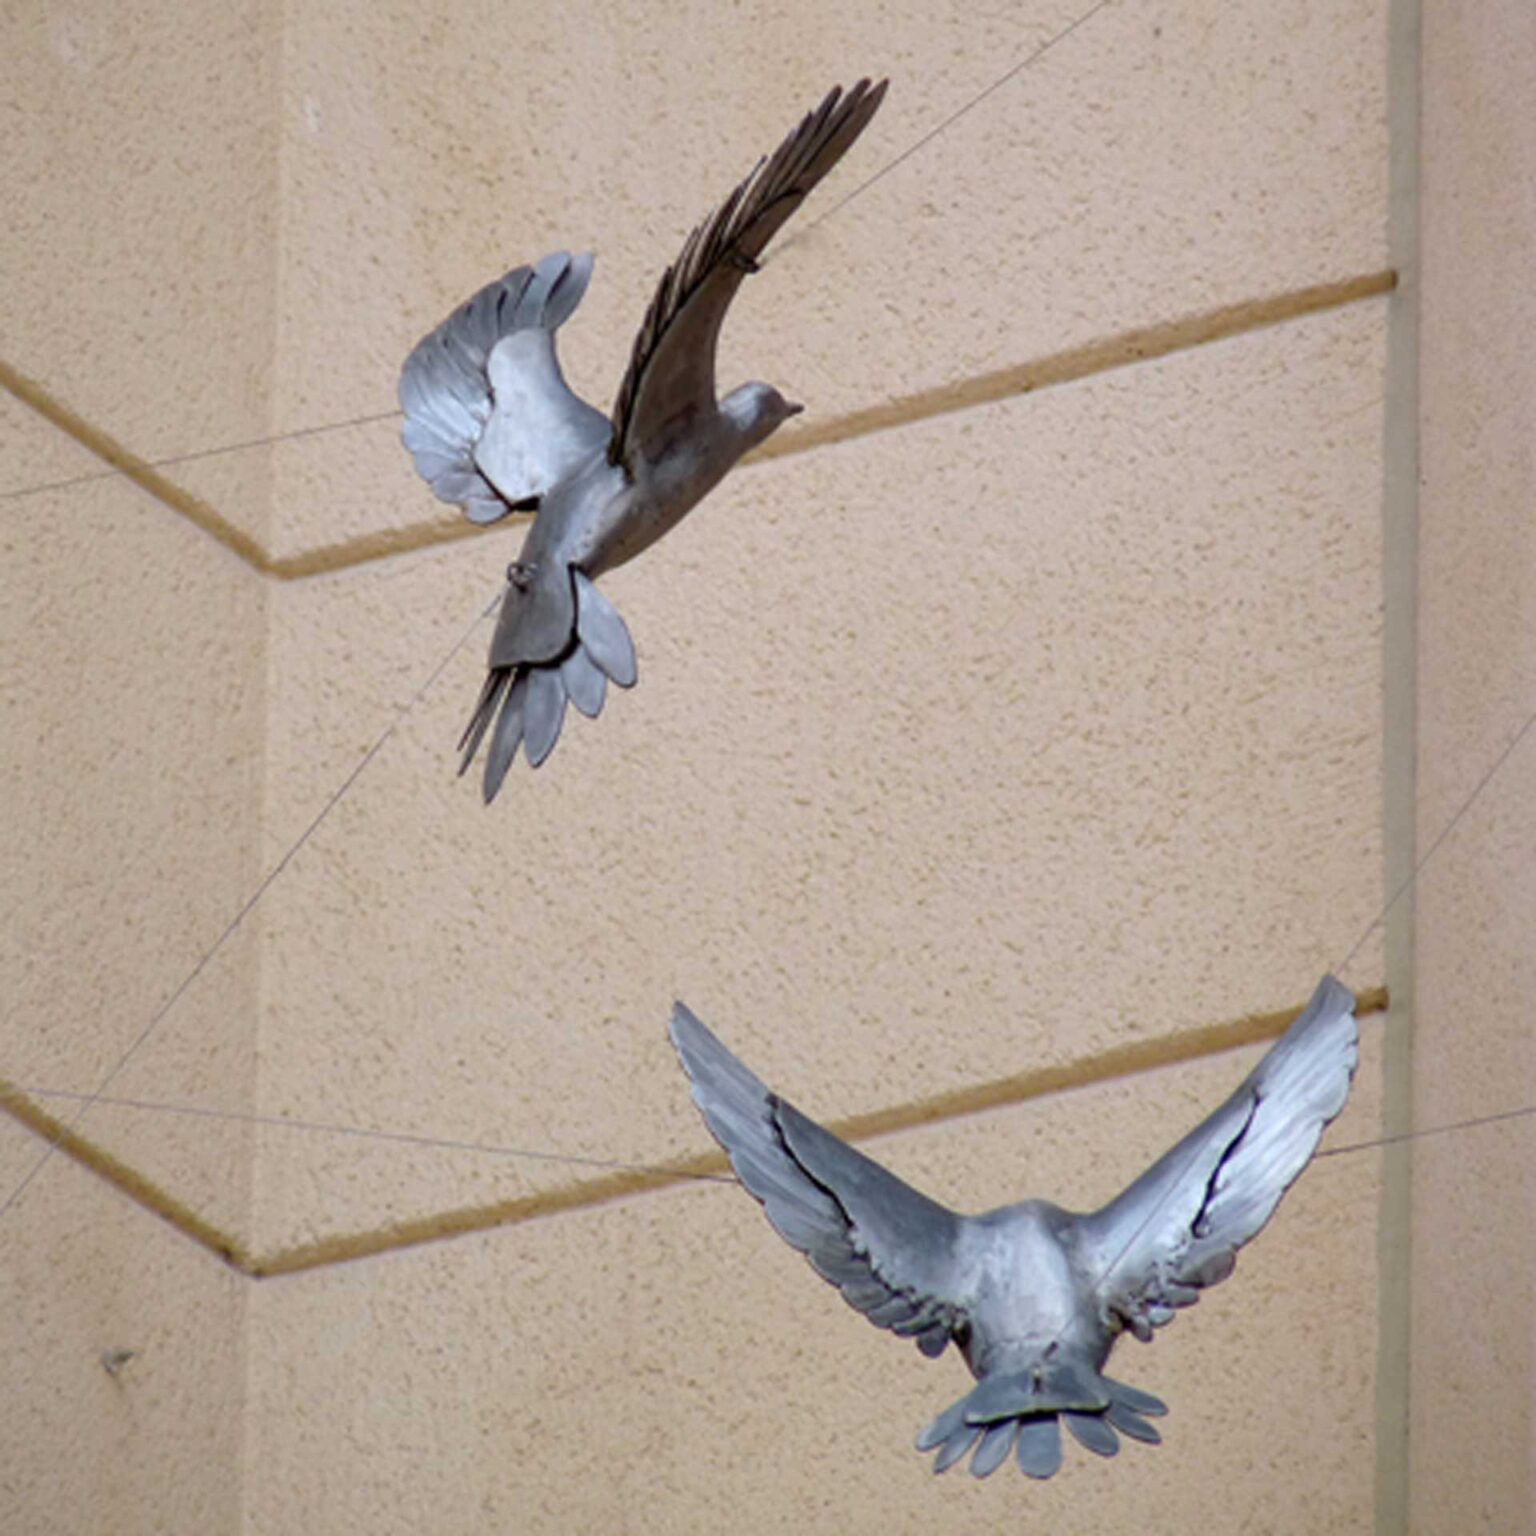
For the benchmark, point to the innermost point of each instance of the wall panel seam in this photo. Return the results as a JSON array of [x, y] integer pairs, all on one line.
[[1120, 350], [1115, 1064], [1399, 746]]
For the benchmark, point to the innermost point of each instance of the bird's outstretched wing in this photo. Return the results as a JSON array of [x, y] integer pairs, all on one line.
[[1179, 1226], [886, 1247], [489, 419], [671, 373]]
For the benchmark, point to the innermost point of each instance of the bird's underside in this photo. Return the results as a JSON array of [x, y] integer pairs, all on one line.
[[492, 425], [1033, 1296]]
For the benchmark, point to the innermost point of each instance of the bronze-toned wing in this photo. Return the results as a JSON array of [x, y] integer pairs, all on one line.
[[671, 374]]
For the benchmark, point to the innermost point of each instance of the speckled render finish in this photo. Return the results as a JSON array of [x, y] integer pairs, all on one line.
[[1472, 1341], [1039, 737]]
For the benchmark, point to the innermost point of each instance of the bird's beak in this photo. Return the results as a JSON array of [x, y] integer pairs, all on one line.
[[792, 408]]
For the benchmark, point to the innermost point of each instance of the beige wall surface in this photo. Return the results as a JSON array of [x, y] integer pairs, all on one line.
[[1009, 754], [132, 720], [1152, 166], [135, 317], [1474, 1463], [1093, 760], [153, 1446], [141, 197], [667, 1363]]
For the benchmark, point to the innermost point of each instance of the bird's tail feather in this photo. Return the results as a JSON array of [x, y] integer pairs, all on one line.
[[496, 683], [1023, 1413], [527, 702]]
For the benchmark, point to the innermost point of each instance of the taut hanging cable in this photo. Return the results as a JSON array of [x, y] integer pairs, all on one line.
[[613, 1164], [373, 1133], [199, 454], [337, 796], [926, 139], [1407, 885], [1452, 1128], [1445, 832], [545, 1155], [914, 148]]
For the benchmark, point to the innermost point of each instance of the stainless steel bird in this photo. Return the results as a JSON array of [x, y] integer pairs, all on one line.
[[1033, 1296], [493, 426]]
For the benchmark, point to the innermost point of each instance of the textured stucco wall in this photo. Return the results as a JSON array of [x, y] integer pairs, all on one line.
[[1475, 1195], [141, 197], [666, 1363], [155, 1447], [137, 301], [989, 742], [1096, 764], [131, 724], [1040, 725]]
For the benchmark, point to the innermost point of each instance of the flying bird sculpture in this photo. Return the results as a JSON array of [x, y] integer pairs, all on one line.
[[492, 425], [1033, 1296]]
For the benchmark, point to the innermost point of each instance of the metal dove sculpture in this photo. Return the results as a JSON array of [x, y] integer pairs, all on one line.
[[492, 425], [1033, 1296]]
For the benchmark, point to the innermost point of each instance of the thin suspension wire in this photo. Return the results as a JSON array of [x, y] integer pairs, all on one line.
[[926, 139], [337, 796], [280, 437], [794, 239], [546, 1155], [372, 1133], [1450, 826], [1371, 927], [613, 1164], [199, 454], [1451, 1128]]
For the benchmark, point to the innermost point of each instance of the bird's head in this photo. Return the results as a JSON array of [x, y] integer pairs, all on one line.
[[758, 411]]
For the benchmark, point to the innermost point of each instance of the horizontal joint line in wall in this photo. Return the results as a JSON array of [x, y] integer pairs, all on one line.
[[1118, 351], [1118, 1062]]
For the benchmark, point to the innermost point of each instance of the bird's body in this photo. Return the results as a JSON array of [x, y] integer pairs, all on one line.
[[492, 425], [1033, 1296], [602, 515], [1022, 1287]]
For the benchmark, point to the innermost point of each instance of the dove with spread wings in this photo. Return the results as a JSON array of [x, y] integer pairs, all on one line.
[[492, 426], [1033, 1296]]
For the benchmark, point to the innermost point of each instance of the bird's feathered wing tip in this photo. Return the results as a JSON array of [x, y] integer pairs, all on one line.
[[672, 363], [1177, 1229], [531, 697], [1301, 1085], [1023, 1412], [450, 406], [854, 1221]]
